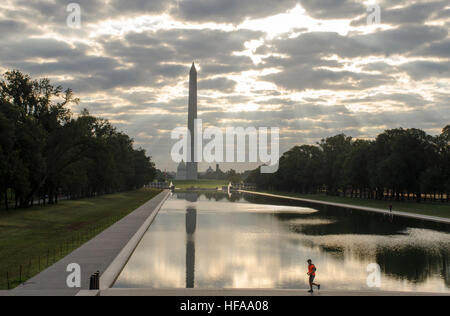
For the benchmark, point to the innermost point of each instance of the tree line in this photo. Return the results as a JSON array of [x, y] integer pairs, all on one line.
[[46, 152], [400, 164]]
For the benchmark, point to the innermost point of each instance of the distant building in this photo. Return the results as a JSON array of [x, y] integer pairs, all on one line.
[[181, 172], [219, 174]]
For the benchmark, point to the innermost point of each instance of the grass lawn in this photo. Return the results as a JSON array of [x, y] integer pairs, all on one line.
[[426, 208], [33, 239], [201, 184]]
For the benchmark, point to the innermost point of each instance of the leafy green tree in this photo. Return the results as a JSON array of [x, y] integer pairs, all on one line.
[[399, 163], [45, 151], [6, 154], [335, 150], [356, 167], [233, 176], [299, 170], [445, 159]]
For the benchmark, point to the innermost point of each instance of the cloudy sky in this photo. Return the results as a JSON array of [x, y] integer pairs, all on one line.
[[314, 68]]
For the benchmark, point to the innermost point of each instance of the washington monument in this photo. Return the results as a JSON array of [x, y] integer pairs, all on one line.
[[190, 170]]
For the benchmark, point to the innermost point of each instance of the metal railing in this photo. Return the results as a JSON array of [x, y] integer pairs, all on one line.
[[18, 273]]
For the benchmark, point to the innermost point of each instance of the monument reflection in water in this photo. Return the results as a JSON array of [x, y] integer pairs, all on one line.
[[215, 241], [191, 218]]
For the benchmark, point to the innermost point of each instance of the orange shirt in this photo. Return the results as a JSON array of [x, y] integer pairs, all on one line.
[[311, 269]]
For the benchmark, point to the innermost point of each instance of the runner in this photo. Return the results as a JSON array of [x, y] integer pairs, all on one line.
[[312, 275]]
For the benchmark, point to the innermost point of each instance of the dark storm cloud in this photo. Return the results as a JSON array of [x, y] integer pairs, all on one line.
[[103, 81], [151, 58], [81, 65], [226, 11], [402, 40], [380, 67], [421, 70], [334, 121], [429, 118], [333, 9], [289, 116], [91, 73], [383, 43], [303, 77], [443, 14], [211, 44], [141, 6], [55, 11], [220, 84], [409, 100], [227, 65], [165, 56], [305, 57], [411, 13], [22, 49], [182, 45], [435, 49], [229, 11], [11, 28]]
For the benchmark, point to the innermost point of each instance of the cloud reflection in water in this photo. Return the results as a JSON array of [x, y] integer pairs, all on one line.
[[220, 244]]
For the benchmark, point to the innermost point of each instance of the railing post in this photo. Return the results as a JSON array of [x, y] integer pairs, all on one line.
[[97, 280], [29, 268]]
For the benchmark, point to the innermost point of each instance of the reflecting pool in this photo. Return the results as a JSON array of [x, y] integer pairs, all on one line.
[[212, 240]]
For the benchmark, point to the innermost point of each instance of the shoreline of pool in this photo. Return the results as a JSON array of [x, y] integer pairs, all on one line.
[[435, 219]]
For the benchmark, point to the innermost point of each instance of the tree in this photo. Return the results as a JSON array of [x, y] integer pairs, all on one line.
[[6, 147], [300, 170], [335, 151], [398, 163], [45, 151], [444, 145], [233, 177], [356, 166]]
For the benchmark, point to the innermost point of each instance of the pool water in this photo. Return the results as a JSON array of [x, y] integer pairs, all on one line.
[[214, 240]]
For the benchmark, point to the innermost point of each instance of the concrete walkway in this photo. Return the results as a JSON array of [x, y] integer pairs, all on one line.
[[251, 293], [105, 253], [441, 220]]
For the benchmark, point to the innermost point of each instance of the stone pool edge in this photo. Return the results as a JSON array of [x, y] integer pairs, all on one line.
[[255, 293], [98, 254], [109, 277], [435, 219]]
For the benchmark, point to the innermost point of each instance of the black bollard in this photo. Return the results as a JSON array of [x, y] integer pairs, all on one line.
[[92, 283]]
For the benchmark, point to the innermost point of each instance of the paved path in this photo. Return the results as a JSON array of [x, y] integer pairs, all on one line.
[[99, 254], [356, 207], [252, 292]]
